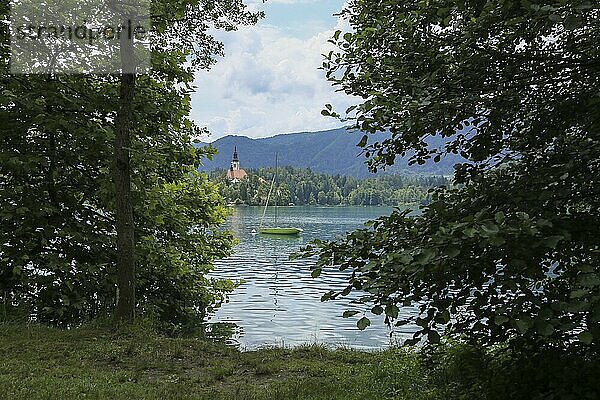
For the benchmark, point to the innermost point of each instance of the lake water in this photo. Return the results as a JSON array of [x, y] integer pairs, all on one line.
[[279, 302]]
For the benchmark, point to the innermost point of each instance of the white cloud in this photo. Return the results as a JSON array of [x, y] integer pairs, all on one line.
[[268, 83]]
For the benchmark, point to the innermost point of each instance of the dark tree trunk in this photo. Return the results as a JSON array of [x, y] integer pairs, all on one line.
[[125, 311]]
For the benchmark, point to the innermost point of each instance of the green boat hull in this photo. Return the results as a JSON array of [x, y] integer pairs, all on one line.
[[280, 231]]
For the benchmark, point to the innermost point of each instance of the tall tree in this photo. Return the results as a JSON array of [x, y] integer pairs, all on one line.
[[513, 250], [58, 201], [125, 310], [179, 24]]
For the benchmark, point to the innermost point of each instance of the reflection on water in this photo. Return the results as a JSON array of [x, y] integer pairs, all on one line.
[[279, 302]]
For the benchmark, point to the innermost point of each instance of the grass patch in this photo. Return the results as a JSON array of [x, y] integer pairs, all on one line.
[[99, 363]]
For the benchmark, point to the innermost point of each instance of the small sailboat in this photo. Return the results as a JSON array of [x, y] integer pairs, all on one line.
[[276, 230], [281, 231]]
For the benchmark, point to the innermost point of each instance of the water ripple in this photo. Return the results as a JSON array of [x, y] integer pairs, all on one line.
[[279, 302]]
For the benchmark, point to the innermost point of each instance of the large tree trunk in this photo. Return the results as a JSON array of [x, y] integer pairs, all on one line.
[[125, 311]]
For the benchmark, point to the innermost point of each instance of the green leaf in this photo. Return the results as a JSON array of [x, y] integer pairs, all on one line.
[[497, 241], [579, 293], [22, 210], [348, 314], [555, 18], [578, 306], [586, 337], [426, 256], [500, 217], [544, 223], [544, 328], [552, 241], [572, 22], [433, 337], [391, 310], [589, 280], [522, 325], [328, 296], [363, 141], [452, 252], [422, 322], [490, 229], [444, 317], [377, 310], [363, 323]]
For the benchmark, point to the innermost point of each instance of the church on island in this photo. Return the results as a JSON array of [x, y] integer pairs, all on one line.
[[235, 173]]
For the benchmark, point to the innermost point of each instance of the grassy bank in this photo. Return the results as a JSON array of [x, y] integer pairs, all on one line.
[[95, 363]]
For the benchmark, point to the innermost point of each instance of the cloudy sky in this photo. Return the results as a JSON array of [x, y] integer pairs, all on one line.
[[268, 82]]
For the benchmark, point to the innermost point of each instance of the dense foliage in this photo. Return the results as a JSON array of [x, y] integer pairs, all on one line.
[[305, 187], [57, 199], [514, 250]]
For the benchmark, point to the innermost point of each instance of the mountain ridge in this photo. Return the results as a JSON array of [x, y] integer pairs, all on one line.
[[332, 151]]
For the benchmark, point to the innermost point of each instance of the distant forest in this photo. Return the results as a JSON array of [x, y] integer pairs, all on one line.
[[304, 187]]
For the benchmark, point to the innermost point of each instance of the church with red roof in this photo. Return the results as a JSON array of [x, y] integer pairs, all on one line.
[[235, 173]]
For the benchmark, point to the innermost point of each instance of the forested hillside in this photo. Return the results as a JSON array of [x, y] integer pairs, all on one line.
[[331, 152], [306, 187]]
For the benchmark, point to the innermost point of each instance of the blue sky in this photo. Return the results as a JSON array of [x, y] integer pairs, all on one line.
[[268, 82], [302, 18]]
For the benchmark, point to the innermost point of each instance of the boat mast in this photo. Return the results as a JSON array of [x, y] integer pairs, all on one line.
[[267, 203], [276, 188]]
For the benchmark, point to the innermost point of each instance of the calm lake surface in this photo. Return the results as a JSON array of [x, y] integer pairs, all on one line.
[[280, 303]]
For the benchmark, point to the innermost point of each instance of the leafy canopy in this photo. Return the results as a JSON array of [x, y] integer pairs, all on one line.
[[57, 200], [513, 250]]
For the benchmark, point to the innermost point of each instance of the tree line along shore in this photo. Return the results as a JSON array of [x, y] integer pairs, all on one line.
[[298, 186]]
